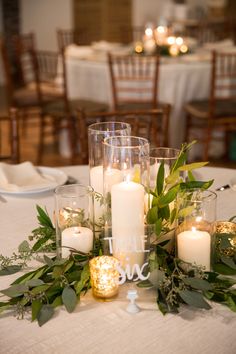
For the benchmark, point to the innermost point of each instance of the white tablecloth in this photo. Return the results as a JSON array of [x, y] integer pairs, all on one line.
[[180, 80], [98, 327]]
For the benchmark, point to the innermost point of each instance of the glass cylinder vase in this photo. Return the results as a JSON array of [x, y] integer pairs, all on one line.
[[167, 156], [74, 219], [126, 176], [97, 132], [196, 217]]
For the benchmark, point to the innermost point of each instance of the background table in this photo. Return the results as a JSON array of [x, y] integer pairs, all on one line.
[[98, 327], [180, 80]]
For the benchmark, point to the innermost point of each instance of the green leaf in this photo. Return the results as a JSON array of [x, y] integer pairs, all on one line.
[[196, 184], [25, 277], [228, 261], [223, 269], [57, 301], [192, 166], [194, 299], [15, 290], [40, 289], [230, 303], [152, 215], [24, 247], [57, 272], [48, 261], [4, 306], [43, 217], [34, 282], [10, 270], [69, 298], [197, 283], [144, 284], [158, 227], [45, 314], [160, 179], [168, 197], [35, 308]]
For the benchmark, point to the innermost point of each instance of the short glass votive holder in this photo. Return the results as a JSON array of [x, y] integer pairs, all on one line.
[[97, 132], [196, 216], [74, 219], [224, 247], [104, 276]]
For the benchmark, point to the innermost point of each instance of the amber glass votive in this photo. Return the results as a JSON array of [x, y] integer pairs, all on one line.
[[104, 276]]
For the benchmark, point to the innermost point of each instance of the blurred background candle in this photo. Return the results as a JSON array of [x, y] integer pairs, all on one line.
[[194, 247], [78, 238]]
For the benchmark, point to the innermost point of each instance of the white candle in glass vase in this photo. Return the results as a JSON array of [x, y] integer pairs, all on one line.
[[194, 246], [127, 211], [76, 237]]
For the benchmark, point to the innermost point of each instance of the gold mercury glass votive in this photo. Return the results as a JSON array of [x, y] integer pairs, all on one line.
[[104, 276], [224, 241]]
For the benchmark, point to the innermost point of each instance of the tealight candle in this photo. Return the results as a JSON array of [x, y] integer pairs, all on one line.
[[78, 238], [194, 246], [104, 276]]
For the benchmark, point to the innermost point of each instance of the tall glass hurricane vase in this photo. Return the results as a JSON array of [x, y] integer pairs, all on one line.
[[126, 175], [97, 132]]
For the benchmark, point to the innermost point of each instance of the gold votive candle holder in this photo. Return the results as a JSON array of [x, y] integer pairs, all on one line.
[[104, 276], [224, 245]]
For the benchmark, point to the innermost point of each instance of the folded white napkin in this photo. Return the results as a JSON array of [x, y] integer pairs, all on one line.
[[221, 45], [78, 51], [23, 177], [105, 46]]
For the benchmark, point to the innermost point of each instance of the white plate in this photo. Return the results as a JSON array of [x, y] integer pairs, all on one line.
[[59, 176], [232, 184]]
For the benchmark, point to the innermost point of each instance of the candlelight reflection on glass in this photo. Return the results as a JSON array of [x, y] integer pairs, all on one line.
[[104, 276]]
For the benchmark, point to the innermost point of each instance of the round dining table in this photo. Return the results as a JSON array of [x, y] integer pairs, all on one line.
[[181, 79], [107, 327]]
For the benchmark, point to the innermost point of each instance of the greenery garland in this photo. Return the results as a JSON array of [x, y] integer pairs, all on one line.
[[61, 282]]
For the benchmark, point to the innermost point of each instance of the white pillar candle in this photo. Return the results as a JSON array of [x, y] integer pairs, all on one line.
[[76, 237], [194, 246], [112, 176], [127, 210]]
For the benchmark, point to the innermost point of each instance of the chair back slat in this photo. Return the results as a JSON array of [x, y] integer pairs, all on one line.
[[134, 79]]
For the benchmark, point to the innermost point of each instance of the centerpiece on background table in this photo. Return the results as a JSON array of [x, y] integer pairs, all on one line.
[[61, 281], [160, 40]]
